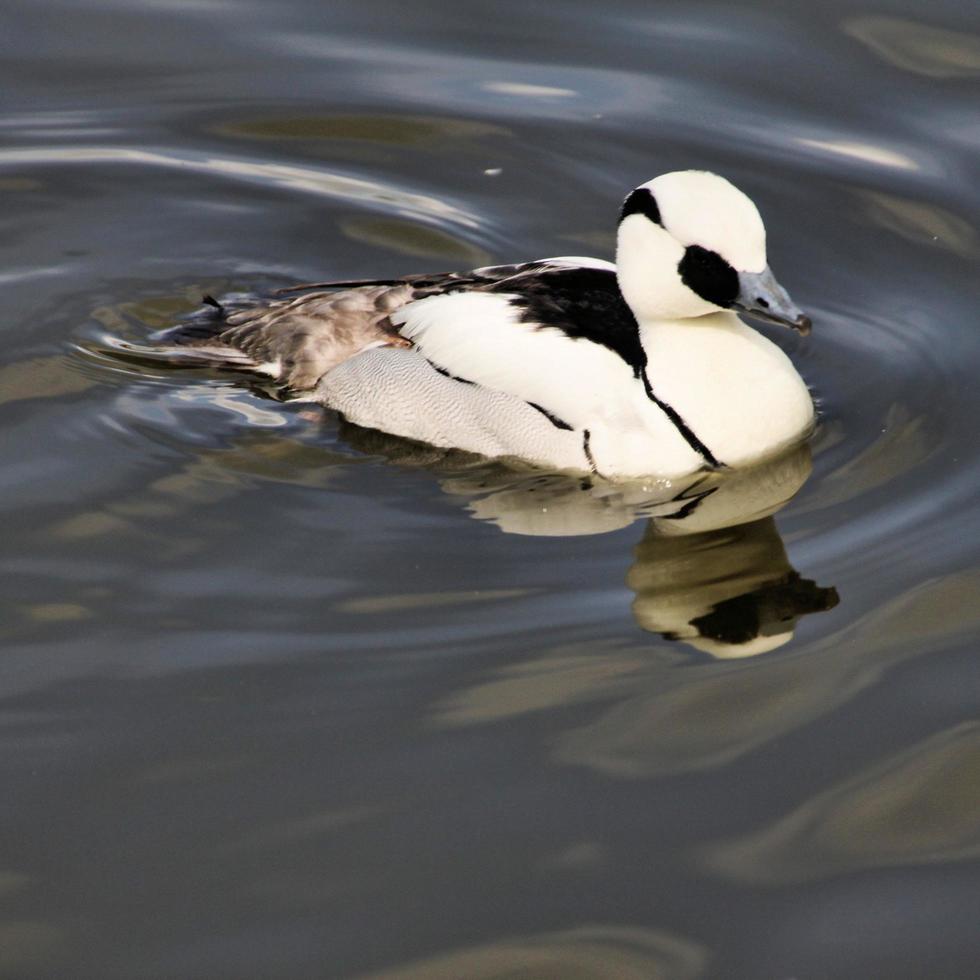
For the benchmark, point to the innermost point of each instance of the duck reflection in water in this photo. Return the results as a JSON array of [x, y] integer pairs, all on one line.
[[730, 592], [711, 569]]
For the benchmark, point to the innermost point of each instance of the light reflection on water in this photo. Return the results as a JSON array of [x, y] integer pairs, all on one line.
[[303, 180], [284, 698], [916, 807]]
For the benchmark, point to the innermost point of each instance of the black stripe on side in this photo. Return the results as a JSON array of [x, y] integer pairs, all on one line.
[[452, 377], [553, 419], [641, 201], [587, 449], [682, 427]]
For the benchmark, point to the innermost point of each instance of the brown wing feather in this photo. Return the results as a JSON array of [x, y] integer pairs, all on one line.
[[311, 334], [298, 339]]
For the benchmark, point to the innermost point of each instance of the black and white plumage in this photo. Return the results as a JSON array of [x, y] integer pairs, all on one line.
[[632, 369]]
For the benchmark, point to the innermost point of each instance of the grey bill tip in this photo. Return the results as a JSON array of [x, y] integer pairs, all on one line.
[[761, 296]]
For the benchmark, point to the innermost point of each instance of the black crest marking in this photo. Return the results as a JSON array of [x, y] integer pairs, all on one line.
[[709, 275], [641, 201]]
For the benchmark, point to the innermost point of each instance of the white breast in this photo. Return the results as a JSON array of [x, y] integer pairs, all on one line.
[[737, 390]]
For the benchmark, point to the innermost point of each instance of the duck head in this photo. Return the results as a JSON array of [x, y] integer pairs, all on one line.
[[691, 243]]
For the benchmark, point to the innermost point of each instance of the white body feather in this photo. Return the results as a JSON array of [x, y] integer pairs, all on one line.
[[735, 388]]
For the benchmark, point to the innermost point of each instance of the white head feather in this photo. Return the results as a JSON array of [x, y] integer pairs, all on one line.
[[695, 208]]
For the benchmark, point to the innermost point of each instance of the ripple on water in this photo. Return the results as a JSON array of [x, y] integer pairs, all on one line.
[[527, 702]]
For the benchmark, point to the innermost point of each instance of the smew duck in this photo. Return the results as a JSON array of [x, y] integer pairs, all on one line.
[[633, 369]]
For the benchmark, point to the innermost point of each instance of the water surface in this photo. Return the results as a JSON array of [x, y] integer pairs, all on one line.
[[280, 699]]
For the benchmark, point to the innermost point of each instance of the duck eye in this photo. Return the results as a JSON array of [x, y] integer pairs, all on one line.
[[764, 303], [706, 273]]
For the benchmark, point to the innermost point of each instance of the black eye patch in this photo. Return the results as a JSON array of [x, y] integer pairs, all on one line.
[[641, 201], [709, 275]]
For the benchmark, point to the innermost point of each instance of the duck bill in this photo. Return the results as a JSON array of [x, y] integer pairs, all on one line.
[[761, 296]]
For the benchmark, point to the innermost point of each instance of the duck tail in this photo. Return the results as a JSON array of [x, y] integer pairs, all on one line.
[[200, 327], [209, 300]]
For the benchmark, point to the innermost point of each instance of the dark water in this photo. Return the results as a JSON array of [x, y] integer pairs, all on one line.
[[275, 706]]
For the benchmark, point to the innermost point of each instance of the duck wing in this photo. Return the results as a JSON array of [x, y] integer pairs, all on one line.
[[294, 340]]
